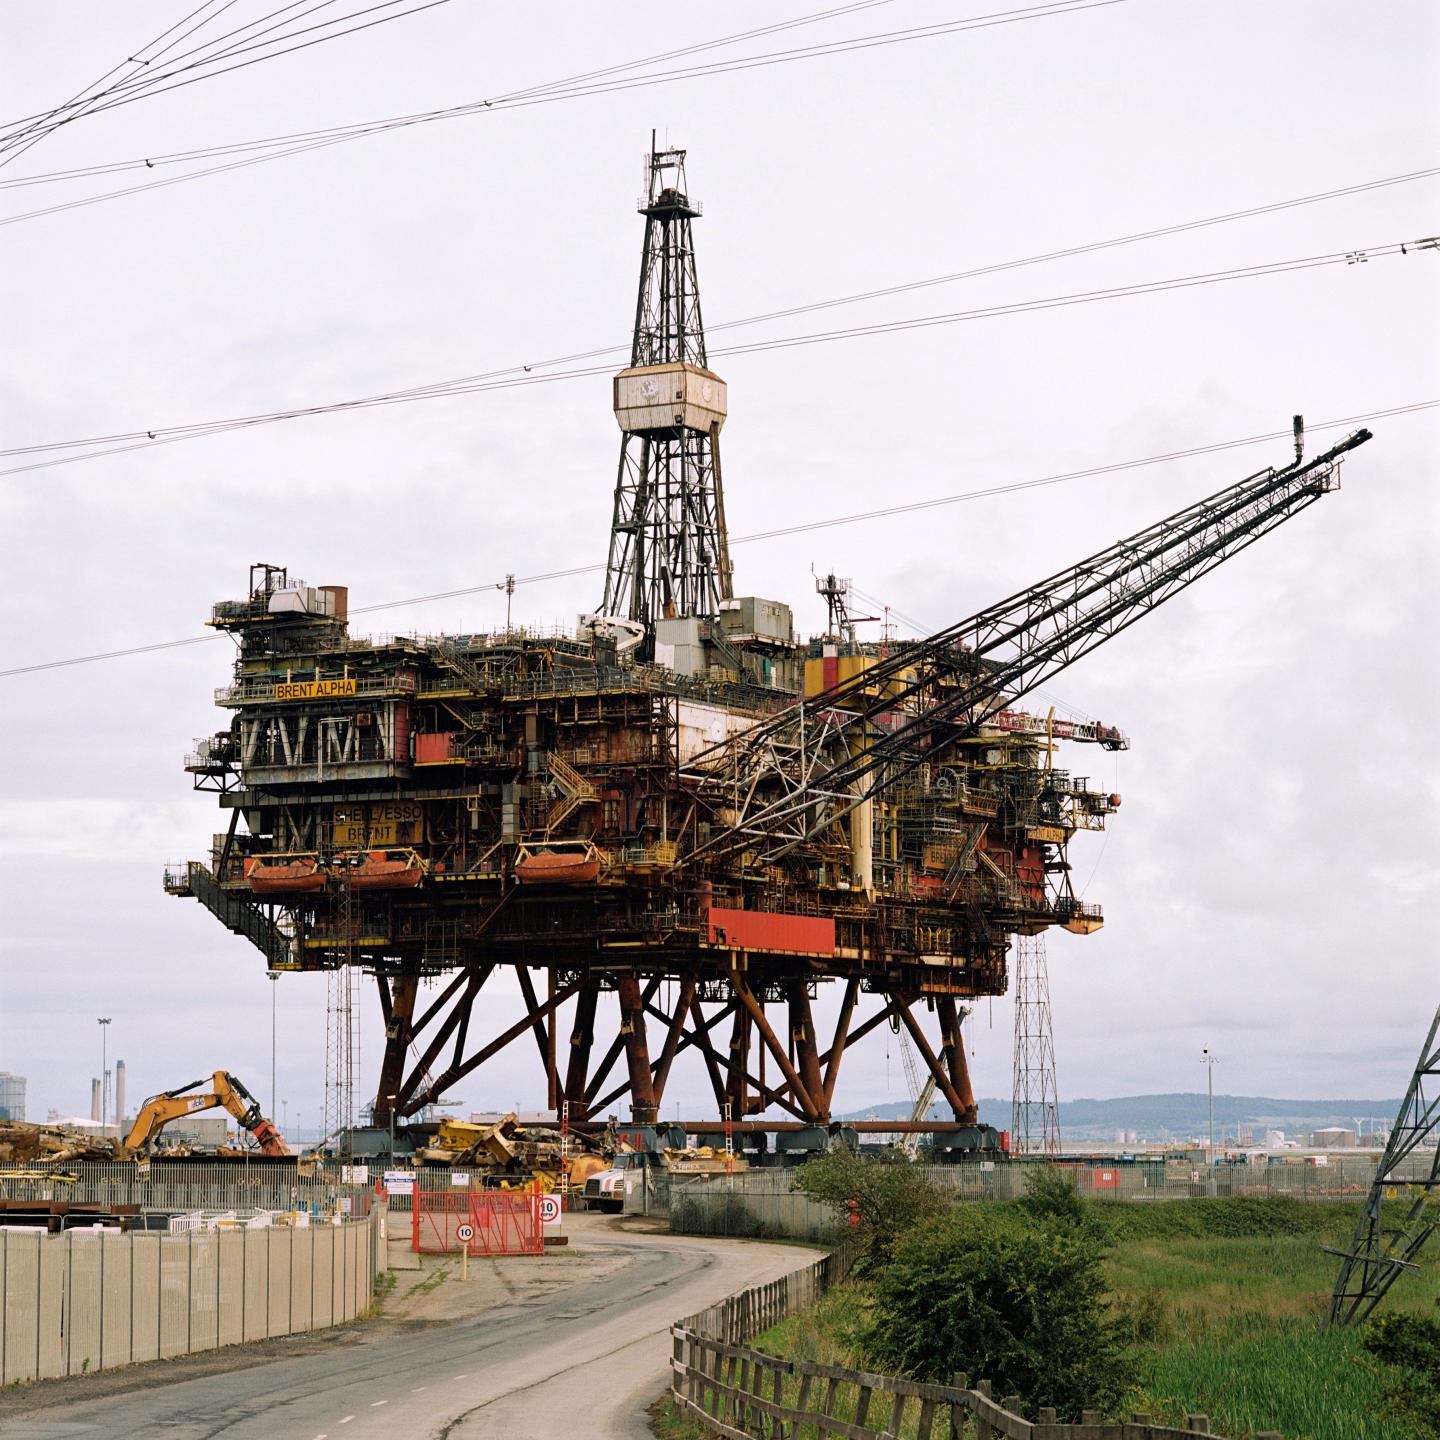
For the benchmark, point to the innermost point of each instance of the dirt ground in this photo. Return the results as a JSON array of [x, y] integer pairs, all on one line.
[[409, 1299]]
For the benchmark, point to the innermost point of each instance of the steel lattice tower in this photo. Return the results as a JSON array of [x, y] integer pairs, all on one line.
[[1035, 1118], [1387, 1241], [668, 552]]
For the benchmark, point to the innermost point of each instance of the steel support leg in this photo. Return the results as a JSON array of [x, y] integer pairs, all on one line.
[[582, 1037], [952, 1052], [643, 1108]]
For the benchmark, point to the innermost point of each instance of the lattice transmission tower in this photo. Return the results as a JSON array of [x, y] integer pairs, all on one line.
[[342, 1054], [1401, 1212], [1035, 1109]]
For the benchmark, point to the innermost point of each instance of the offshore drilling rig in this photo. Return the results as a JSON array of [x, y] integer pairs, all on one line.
[[680, 802]]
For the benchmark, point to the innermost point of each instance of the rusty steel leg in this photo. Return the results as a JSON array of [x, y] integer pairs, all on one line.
[[735, 1076], [752, 1008], [932, 1063], [952, 1052], [582, 1036], [807, 1051], [637, 1050], [399, 1005], [673, 1036]]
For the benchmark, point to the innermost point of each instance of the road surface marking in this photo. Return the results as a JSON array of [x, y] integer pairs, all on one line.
[[419, 1388], [375, 1404], [347, 1419], [462, 1377]]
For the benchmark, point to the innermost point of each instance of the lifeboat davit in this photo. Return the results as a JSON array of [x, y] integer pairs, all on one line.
[[385, 870], [284, 874], [559, 867]]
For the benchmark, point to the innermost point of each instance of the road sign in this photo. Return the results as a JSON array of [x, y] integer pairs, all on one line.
[[465, 1233], [549, 1209]]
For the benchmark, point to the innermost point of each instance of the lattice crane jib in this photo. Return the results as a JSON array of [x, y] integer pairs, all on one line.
[[791, 780], [669, 556]]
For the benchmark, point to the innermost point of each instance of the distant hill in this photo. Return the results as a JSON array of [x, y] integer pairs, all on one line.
[[1180, 1114]]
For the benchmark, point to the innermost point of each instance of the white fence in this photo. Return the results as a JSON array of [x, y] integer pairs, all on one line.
[[87, 1300]]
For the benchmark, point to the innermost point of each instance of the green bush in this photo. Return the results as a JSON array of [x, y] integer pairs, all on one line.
[[1050, 1195], [993, 1293], [1410, 1344], [885, 1195]]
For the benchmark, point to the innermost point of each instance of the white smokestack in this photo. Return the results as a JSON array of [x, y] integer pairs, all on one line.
[[120, 1096], [95, 1101]]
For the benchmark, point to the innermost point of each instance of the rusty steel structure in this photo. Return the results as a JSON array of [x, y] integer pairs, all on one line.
[[673, 823]]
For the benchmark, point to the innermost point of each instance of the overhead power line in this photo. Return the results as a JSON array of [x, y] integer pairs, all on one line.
[[507, 379], [857, 517], [555, 92], [154, 82], [151, 162]]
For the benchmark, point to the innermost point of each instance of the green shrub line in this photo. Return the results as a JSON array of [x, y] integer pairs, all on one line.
[[1213, 1305]]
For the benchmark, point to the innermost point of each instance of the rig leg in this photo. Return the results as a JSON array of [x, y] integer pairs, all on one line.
[[952, 1053], [807, 1050], [398, 1004], [643, 1108], [582, 1035]]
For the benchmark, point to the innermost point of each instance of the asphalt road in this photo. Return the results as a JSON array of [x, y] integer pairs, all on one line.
[[584, 1360]]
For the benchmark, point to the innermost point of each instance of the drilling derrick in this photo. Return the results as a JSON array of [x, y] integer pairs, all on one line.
[[668, 554], [669, 828]]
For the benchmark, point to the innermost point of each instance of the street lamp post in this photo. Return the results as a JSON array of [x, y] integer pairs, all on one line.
[[103, 1021], [1210, 1061], [391, 1107], [272, 976]]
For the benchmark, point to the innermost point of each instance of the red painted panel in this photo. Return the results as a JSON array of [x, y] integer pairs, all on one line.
[[766, 931], [431, 749]]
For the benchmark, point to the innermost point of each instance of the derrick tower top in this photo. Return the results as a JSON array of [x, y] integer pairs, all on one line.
[[669, 557]]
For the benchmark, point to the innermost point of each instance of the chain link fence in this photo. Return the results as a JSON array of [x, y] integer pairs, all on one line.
[[183, 1186], [763, 1203]]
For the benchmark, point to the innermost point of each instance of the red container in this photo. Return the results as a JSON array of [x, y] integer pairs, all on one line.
[[770, 933]]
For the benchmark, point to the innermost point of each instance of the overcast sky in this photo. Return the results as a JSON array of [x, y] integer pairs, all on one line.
[[1270, 882]]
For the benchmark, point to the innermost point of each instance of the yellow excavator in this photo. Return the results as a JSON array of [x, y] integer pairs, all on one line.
[[225, 1092]]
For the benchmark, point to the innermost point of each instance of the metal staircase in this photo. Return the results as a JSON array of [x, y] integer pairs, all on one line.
[[236, 913]]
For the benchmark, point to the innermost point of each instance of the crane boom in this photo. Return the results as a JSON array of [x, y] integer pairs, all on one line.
[[789, 780]]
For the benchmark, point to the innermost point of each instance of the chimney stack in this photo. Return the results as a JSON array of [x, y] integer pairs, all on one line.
[[120, 1096], [95, 1101]]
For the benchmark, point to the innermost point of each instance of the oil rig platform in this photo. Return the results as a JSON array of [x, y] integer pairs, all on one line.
[[679, 803]]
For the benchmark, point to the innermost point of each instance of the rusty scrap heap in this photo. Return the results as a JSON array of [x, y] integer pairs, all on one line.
[[682, 803]]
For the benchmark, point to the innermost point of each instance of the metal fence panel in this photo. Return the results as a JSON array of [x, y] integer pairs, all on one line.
[[82, 1301], [229, 1283], [20, 1314], [255, 1297]]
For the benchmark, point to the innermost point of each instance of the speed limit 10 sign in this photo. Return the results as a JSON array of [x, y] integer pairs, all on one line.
[[465, 1234], [549, 1209]]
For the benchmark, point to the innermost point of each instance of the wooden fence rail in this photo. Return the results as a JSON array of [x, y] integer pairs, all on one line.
[[746, 1394], [741, 1393]]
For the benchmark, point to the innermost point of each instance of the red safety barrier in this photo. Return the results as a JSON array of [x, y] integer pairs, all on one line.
[[485, 1222]]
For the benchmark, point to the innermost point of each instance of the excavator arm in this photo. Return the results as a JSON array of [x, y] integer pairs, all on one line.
[[226, 1093]]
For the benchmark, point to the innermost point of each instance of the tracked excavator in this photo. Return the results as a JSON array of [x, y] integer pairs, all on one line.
[[225, 1092]]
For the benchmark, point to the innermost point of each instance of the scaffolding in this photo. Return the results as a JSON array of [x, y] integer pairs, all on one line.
[[1035, 1110]]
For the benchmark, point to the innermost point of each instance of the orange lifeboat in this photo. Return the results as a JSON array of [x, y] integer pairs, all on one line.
[[284, 874], [559, 867], [385, 870]]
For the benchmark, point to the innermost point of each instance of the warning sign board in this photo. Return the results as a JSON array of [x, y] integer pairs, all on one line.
[[549, 1209]]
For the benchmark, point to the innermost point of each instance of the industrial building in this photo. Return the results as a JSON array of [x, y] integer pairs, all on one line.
[[681, 802], [12, 1096]]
